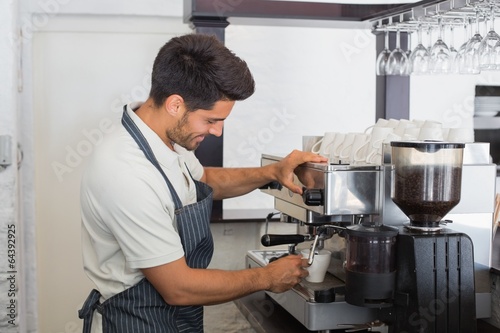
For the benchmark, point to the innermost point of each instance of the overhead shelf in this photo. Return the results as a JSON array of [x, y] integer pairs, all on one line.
[[378, 13], [220, 10]]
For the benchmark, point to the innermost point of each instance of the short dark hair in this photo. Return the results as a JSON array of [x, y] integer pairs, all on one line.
[[200, 69]]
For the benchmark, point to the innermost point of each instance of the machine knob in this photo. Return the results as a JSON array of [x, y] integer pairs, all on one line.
[[313, 197], [271, 240]]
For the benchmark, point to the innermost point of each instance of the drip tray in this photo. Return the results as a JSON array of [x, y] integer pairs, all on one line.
[[262, 257], [309, 302]]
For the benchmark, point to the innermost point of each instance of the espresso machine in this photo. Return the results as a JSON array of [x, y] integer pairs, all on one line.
[[397, 264]]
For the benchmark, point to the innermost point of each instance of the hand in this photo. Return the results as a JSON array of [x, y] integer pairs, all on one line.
[[286, 167], [286, 272]]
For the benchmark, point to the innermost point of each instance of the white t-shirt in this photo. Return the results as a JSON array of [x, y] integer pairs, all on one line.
[[127, 210]]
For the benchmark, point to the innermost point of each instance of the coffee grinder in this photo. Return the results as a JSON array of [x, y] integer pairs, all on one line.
[[422, 273], [434, 290]]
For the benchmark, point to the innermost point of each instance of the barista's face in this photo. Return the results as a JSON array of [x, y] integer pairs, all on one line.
[[194, 126]]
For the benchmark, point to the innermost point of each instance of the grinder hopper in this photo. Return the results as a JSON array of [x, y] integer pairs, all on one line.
[[427, 180]]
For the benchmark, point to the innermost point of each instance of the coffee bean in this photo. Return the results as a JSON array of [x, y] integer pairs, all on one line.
[[427, 193]]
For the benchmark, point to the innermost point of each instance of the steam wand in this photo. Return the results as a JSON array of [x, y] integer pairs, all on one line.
[[314, 245]]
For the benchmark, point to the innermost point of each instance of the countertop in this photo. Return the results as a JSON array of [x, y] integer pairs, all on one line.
[[266, 316]]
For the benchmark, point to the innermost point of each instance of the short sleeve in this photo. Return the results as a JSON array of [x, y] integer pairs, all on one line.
[[136, 209]]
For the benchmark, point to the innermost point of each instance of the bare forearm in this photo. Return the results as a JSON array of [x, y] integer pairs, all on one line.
[[208, 286], [181, 285], [233, 182]]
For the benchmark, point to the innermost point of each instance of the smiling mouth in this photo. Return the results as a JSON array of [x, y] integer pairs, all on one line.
[[199, 138]]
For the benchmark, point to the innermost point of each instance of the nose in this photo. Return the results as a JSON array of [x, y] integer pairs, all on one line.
[[216, 129]]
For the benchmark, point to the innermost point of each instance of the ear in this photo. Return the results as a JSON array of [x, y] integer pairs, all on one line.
[[173, 104]]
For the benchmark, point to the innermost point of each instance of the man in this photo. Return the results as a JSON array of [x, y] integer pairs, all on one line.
[[146, 200]]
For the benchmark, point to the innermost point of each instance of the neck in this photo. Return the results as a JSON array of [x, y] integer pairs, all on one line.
[[155, 119]]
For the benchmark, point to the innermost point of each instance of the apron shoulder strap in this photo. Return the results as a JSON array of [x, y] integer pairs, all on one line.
[[139, 138]]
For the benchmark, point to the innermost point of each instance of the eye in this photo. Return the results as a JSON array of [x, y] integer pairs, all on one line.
[[211, 122]]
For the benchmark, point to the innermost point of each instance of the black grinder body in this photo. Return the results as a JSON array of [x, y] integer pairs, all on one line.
[[434, 291]]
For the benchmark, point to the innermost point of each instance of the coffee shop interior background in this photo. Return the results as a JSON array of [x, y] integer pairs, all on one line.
[[69, 66]]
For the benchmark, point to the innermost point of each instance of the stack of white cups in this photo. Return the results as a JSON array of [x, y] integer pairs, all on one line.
[[361, 148]]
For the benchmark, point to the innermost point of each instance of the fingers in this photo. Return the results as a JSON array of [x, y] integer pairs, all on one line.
[[305, 262], [292, 187], [294, 264], [311, 157], [287, 272], [297, 157], [290, 163]]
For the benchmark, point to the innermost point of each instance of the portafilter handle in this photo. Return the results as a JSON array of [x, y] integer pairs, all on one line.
[[272, 240], [321, 231]]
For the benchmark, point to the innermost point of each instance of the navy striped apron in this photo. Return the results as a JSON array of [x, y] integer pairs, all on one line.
[[141, 309]]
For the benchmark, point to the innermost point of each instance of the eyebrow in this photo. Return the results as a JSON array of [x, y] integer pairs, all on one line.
[[215, 119]]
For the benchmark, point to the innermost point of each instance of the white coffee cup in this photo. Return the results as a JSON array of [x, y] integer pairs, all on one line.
[[317, 270], [309, 141], [430, 133], [432, 124], [346, 147], [379, 134], [375, 156], [377, 138], [465, 135], [358, 149], [403, 125], [392, 123], [335, 147], [391, 137], [411, 134], [418, 122], [373, 147], [322, 147], [381, 122]]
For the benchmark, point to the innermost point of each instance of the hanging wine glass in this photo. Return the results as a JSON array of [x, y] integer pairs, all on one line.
[[408, 43], [398, 61], [419, 57], [460, 59], [471, 54], [408, 52], [383, 56], [453, 51], [439, 61], [486, 50], [429, 39]]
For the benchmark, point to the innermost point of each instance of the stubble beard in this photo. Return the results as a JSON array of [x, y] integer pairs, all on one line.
[[179, 135]]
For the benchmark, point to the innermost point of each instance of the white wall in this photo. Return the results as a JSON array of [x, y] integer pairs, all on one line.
[[86, 64]]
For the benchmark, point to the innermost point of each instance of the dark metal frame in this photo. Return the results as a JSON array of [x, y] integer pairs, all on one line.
[[222, 9], [392, 92]]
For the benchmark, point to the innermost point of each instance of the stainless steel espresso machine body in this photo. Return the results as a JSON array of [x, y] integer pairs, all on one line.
[[436, 285]]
